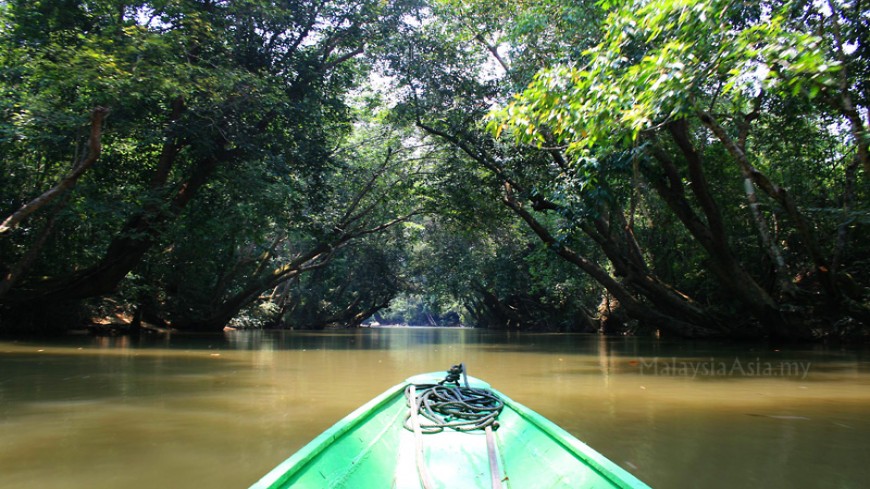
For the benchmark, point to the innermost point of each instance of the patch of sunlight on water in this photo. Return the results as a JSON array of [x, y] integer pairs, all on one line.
[[220, 411]]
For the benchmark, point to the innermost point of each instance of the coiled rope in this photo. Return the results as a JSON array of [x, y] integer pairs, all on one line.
[[441, 405], [434, 407]]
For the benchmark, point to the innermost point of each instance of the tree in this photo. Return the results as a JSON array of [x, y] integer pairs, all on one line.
[[448, 98], [667, 79], [691, 167], [200, 92], [658, 135]]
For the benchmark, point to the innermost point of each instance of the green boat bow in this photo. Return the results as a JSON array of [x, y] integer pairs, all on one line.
[[372, 448]]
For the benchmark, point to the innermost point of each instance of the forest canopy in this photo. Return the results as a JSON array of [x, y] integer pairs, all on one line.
[[678, 167]]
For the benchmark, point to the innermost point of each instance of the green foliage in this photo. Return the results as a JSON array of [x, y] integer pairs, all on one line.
[[259, 88], [248, 164], [351, 289], [660, 61]]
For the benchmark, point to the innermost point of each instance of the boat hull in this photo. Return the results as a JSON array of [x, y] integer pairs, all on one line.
[[370, 448]]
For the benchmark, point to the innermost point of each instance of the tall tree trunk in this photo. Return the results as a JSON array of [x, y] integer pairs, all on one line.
[[843, 228], [780, 195], [711, 234]]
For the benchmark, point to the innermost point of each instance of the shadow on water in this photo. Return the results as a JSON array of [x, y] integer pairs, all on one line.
[[40, 378], [221, 410]]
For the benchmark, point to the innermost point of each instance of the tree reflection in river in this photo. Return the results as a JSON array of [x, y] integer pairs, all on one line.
[[220, 411]]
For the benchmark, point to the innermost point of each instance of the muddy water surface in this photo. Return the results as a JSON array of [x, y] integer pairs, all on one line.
[[220, 411]]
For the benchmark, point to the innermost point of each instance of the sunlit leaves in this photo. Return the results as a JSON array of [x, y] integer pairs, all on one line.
[[661, 60]]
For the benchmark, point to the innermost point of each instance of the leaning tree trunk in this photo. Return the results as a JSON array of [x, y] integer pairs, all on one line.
[[781, 196], [93, 153], [711, 235], [20, 268], [633, 307], [637, 309], [128, 248]]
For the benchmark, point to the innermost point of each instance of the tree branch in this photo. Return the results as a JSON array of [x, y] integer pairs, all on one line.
[[94, 149]]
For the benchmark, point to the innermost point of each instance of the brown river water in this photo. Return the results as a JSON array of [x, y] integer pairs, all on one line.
[[219, 411]]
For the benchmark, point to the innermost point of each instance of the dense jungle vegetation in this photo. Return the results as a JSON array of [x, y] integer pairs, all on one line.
[[686, 167]]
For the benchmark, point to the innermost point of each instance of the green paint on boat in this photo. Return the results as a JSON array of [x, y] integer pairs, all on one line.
[[370, 448]]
